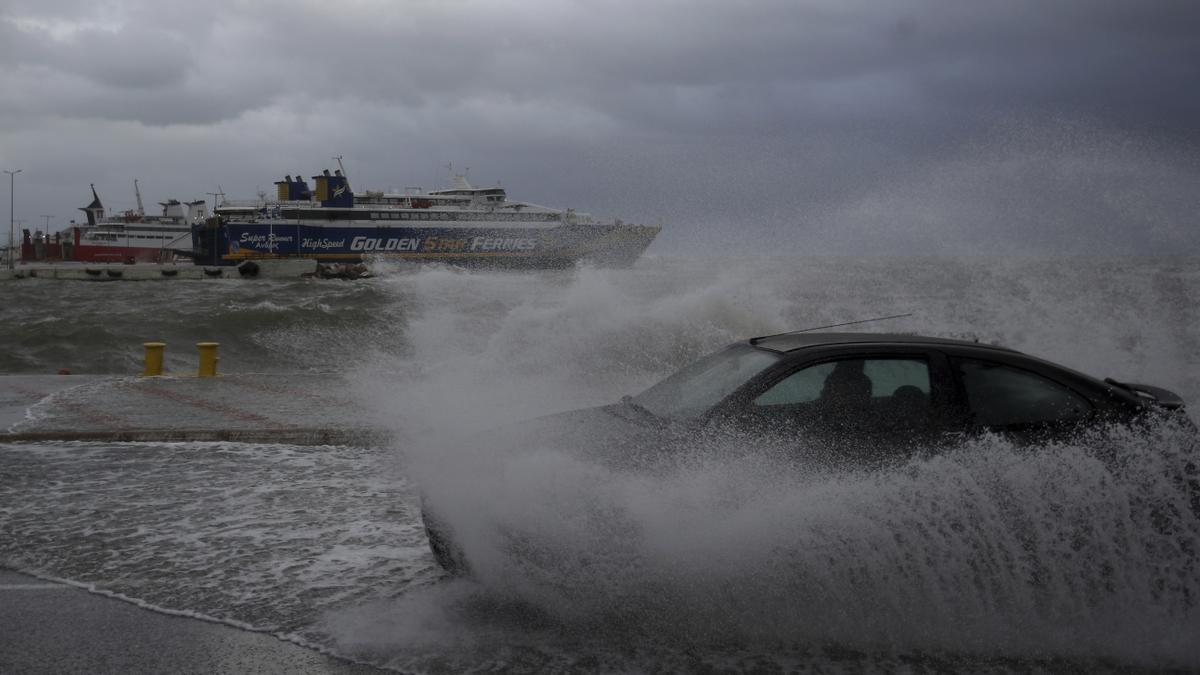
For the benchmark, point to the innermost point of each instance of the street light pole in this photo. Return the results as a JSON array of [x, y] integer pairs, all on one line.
[[12, 178]]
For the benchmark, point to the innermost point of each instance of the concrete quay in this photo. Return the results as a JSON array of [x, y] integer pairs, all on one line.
[[297, 409], [278, 269]]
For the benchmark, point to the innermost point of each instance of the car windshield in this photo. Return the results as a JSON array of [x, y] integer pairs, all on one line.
[[690, 392]]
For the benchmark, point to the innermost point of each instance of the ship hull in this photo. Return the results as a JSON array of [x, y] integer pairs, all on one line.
[[98, 245], [230, 242], [120, 254]]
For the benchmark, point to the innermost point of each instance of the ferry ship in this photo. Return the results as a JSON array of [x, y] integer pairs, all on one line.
[[132, 236], [462, 225]]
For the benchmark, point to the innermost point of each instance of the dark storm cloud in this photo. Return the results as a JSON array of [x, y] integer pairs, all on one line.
[[837, 122], [126, 58], [629, 60], [1103, 59]]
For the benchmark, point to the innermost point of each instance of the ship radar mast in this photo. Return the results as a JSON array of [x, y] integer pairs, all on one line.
[[343, 170], [218, 196], [459, 179]]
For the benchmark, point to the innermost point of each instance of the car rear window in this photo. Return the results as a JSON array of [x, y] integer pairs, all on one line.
[[1003, 396]]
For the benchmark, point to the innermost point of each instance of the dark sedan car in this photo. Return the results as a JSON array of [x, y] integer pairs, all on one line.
[[870, 398]]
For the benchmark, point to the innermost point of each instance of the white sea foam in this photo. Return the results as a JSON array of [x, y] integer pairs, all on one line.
[[259, 535]]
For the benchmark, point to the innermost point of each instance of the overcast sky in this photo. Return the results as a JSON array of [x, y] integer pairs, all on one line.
[[838, 126]]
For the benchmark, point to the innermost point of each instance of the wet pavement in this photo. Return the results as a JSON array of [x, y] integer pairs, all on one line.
[[55, 628], [50, 627], [302, 409]]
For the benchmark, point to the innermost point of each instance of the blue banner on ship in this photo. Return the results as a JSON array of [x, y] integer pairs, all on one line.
[[259, 239], [220, 242]]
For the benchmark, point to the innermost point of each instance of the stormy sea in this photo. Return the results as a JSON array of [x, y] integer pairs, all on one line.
[[983, 557]]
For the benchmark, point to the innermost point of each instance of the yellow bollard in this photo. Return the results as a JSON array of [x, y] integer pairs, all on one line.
[[154, 358], [208, 358]]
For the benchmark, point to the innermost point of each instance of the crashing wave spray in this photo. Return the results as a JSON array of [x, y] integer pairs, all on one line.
[[1081, 551], [987, 550]]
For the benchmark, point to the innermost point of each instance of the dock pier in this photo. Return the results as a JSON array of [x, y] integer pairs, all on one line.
[[252, 269]]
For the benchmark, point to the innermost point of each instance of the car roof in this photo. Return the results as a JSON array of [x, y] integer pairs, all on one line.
[[787, 342]]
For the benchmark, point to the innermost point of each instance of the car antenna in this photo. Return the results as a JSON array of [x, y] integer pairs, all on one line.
[[832, 325]]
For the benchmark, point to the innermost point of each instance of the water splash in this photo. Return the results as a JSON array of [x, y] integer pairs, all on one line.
[[1085, 551], [990, 550]]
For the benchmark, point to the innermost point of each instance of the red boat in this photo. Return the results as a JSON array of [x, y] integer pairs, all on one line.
[[130, 237]]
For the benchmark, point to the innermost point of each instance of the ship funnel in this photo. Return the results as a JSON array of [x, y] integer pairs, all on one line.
[[333, 190], [95, 210], [197, 210], [291, 189], [172, 208]]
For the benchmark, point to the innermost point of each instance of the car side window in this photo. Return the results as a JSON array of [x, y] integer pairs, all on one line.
[[803, 386], [1003, 396], [861, 394]]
